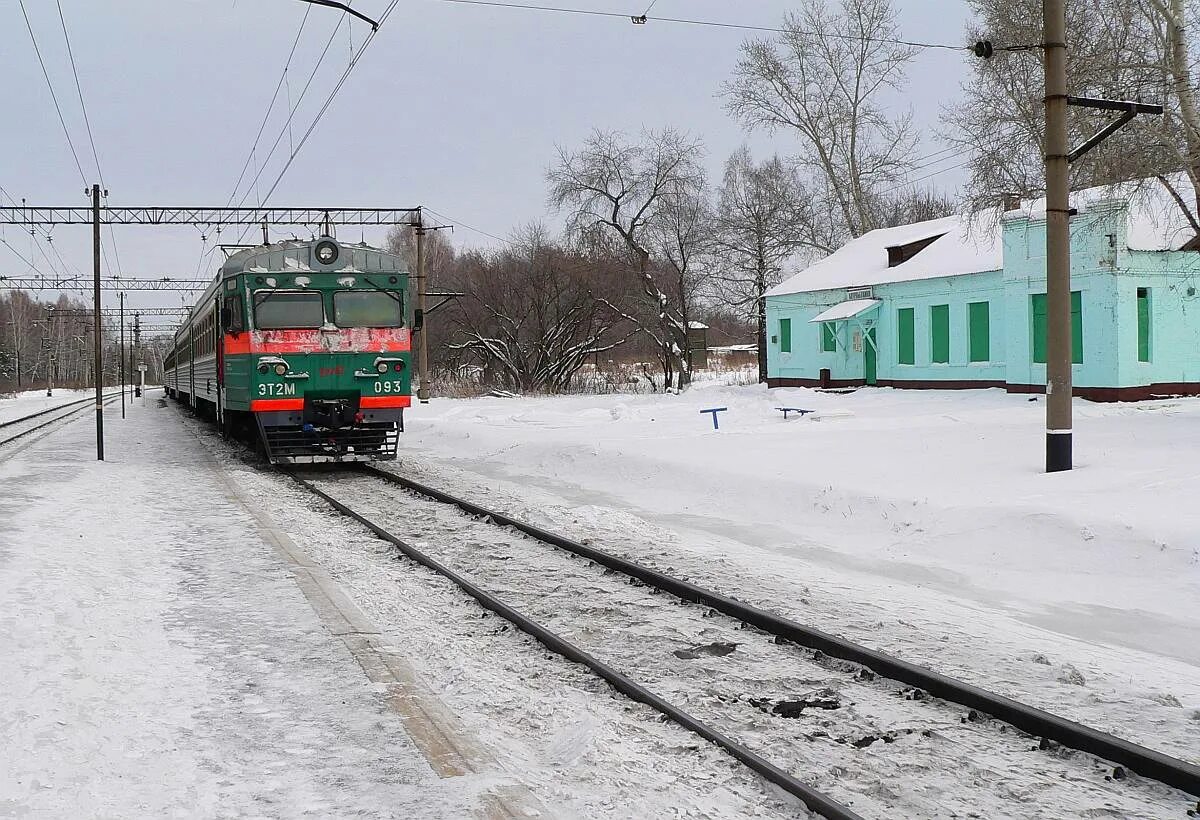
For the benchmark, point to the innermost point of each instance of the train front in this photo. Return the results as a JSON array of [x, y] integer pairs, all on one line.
[[322, 350]]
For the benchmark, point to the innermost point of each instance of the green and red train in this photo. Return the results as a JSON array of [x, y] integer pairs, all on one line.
[[304, 346]]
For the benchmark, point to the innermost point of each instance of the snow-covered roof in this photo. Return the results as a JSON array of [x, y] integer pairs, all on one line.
[[846, 310], [1155, 222], [962, 244]]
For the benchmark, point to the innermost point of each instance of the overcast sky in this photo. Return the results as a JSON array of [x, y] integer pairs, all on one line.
[[454, 107]]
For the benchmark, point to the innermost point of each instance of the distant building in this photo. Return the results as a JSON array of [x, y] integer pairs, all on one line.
[[956, 303]]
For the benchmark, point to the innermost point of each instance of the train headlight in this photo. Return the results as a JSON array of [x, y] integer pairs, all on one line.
[[281, 369], [262, 368], [382, 367], [326, 251]]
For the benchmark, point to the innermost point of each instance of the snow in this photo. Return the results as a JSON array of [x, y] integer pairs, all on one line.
[[32, 401], [846, 310], [963, 246], [1155, 222], [916, 522], [973, 244], [158, 660]]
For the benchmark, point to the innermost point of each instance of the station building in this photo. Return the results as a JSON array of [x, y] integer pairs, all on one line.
[[960, 302]]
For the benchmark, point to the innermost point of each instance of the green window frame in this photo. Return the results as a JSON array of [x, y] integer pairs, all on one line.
[[828, 337], [939, 330], [979, 324], [1038, 308], [1143, 324], [906, 342], [785, 335]]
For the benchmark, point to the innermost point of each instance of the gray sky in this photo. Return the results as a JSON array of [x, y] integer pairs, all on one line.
[[458, 108]]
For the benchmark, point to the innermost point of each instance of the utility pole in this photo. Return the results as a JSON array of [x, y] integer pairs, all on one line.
[[121, 369], [52, 351], [98, 364], [1058, 242], [423, 339]]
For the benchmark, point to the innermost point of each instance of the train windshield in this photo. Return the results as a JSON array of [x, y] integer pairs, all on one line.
[[367, 308], [278, 309]]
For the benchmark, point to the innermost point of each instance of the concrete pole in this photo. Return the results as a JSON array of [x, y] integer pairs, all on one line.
[[121, 299], [97, 335], [423, 339], [1058, 243]]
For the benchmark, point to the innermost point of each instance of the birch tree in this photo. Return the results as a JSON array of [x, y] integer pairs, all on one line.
[[763, 217], [619, 193], [1119, 49], [824, 80]]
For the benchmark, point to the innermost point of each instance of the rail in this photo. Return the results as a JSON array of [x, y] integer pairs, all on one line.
[[1144, 761], [72, 407], [813, 799]]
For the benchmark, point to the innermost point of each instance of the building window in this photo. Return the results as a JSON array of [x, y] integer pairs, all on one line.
[[979, 324], [906, 343], [939, 322], [1038, 311], [785, 335], [1143, 319], [828, 337]]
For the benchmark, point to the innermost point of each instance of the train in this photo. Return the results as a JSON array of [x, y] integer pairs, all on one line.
[[303, 348]]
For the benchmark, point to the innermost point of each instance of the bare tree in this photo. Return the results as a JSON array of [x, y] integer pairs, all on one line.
[[824, 79], [533, 313], [1122, 49], [763, 217], [439, 270], [620, 194]]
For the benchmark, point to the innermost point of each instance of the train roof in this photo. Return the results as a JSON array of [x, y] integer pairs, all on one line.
[[297, 256]]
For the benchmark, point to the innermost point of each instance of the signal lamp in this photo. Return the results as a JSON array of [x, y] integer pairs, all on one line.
[[382, 367], [280, 369], [399, 366], [326, 251], [262, 368]]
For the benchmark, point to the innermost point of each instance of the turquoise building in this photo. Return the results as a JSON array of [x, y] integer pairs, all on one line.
[[961, 303]]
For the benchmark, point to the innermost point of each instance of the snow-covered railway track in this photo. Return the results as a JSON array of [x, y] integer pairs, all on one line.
[[18, 428], [861, 734]]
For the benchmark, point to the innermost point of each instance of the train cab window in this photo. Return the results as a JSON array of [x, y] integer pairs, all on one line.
[[232, 316], [275, 309], [367, 308]]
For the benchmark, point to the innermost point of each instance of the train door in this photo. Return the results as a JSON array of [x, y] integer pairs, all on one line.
[[191, 352], [218, 333]]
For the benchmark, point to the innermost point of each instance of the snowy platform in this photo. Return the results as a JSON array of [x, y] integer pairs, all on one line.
[[163, 653]]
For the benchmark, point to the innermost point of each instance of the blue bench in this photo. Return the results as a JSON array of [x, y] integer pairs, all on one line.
[[714, 411], [786, 410]]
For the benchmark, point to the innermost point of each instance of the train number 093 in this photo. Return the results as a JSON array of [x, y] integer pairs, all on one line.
[[389, 387]]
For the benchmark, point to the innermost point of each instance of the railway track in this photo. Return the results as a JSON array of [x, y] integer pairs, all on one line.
[[848, 731], [18, 428]]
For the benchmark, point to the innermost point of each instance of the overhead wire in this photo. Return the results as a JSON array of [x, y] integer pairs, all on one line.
[[271, 105], [62, 120], [251, 155], [112, 236], [328, 101], [645, 18]]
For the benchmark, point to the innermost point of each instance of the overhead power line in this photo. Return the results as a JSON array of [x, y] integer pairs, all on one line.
[[53, 96], [645, 18], [112, 237], [328, 102], [271, 105], [262, 166]]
